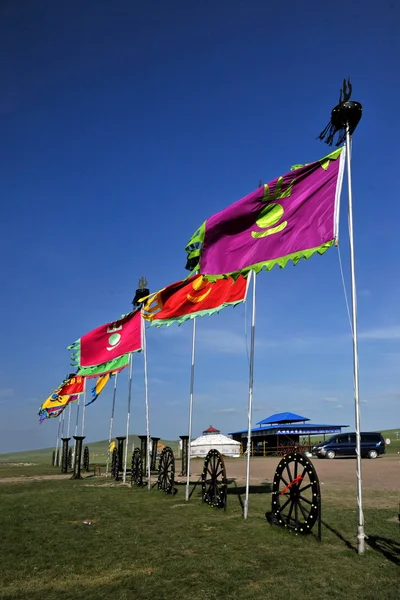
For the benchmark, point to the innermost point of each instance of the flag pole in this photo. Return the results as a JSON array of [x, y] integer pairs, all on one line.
[[56, 448], [111, 422], [191, 406], [69, 419], [76, 427], [128, 414], [360, 530], [146, 392], [250, 406], [62, 433], [83, 408]]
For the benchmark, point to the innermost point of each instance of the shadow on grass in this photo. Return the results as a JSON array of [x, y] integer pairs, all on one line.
[[388, 548], [234, 490], [349, 545], [253, 489]]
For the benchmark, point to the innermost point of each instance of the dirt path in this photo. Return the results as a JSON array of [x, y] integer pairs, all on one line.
[[380, 474], [29, 478]]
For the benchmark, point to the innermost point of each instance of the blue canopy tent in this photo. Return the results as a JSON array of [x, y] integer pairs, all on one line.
[[280, 433]]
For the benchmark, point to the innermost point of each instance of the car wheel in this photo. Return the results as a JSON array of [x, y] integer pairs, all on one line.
[[330, 454], [372, 454]]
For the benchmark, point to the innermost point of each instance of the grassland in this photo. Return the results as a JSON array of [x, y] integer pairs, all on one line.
[[143, 544]]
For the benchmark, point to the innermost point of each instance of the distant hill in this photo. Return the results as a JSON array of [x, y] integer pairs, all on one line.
[[98, 451]]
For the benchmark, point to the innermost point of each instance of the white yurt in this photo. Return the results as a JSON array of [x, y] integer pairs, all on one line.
[[213, 439]]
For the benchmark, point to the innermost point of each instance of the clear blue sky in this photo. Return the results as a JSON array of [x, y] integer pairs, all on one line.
[[123, 126]]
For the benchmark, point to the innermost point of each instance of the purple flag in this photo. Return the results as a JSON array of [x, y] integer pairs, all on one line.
[[290, 218]]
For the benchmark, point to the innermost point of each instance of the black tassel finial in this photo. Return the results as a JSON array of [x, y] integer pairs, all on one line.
[[141, 292], [346, 113]]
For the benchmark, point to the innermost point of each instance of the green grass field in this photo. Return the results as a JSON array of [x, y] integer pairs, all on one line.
[[148, 545]]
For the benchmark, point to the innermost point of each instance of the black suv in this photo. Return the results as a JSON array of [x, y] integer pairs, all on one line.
[[344, 444]]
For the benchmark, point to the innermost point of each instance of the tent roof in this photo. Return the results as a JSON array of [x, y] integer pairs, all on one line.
[[291, 428], [217, 439], [211, 429], [286, 417]]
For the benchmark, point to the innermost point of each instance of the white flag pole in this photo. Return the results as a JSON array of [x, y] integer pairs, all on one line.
[[69, 419], [360, 530], [61, 436], [76, 426], [57, 439], [146, 392], [250, 406], [83, 408], [191, 406], [128, 415], [111, 422]]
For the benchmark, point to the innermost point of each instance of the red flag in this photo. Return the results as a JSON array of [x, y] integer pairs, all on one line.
[[75, 385], [196, 296], [111, 340]]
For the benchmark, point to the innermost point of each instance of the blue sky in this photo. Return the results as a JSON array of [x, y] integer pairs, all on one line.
[[124, 125]]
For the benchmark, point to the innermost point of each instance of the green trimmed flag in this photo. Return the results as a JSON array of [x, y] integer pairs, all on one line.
[[292, 217], [193, 297]]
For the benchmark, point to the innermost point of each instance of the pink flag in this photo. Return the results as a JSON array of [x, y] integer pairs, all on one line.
[[111, 341]]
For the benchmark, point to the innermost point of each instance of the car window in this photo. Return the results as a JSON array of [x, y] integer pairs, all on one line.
[[370, 437]]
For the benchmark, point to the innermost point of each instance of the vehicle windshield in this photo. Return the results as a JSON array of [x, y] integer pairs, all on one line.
[[331, 440]]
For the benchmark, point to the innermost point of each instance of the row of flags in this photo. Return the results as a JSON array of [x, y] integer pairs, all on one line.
[[105, 351], [292, 217]]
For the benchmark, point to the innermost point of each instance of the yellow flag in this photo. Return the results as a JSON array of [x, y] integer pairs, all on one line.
[[112, 446], [51, 403]]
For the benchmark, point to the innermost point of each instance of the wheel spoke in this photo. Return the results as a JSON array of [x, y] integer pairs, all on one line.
[[290, 511], [284, 481], [285, 505], [302, 511], [306, 487], [305, 500], [289, 472]]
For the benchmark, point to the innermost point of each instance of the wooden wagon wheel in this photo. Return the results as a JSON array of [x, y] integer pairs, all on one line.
[[213, 480], [115, 465], [137, 468], [296, 499], [166, 471], [86, 459]]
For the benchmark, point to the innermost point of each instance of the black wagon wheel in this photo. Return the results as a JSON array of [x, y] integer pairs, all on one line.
[[296, 499], [115, 465], [213, 480], [166, 471], [69, 459], [137, 468], [86, 459]]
